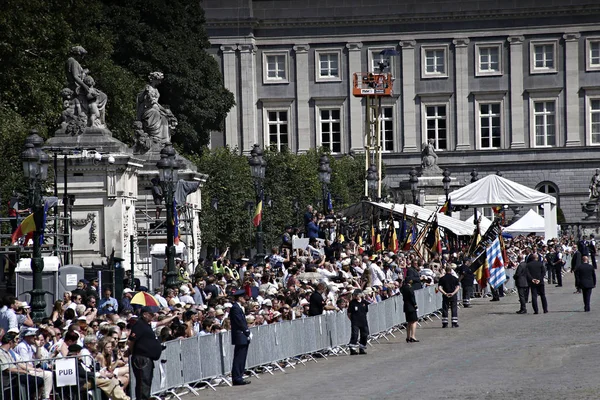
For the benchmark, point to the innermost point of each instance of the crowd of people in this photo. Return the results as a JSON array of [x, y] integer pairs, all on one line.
[[327, 276]]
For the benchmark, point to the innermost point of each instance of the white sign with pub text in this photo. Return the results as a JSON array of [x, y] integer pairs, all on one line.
[[66, 372]]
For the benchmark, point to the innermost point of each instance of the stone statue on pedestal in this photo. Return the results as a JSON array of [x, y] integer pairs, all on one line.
[[155, 123], [84, 106], [591, 206], [429, 160]]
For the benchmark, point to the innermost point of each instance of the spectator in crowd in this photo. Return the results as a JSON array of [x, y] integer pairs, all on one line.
[[108, 304]]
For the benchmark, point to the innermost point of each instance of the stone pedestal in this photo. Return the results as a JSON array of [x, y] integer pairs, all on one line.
[[431, 188], [102, 177]]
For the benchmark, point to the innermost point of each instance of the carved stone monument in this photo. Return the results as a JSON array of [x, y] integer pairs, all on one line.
[[429, 160], [590, 208]]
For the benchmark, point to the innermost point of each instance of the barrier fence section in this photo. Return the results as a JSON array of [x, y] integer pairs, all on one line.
[[66, 378], [201, 359]]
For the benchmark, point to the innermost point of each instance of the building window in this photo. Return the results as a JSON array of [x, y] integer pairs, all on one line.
[[544, 120], [278, 129], [379, 63], [489, 125], [547, 188], [330, 129], [435, 62], [386, 124], [329, 65], [593, 54], [543, 57], [436, 124], [489, 59], [594, 118], [275, 67]]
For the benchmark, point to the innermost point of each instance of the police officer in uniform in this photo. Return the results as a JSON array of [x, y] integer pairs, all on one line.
[[240, 338], [357, 312], [448, 285], [466, 278], [145, 349]]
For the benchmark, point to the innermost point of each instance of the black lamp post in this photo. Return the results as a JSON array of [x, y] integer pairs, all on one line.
[[414, 182], [372, 182], [446, 181], [167, 170], [35, 170], [258, 168], [325, 179]]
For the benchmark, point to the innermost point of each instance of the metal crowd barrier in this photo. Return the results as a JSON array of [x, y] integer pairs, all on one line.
[[60, 378], [186, 363]]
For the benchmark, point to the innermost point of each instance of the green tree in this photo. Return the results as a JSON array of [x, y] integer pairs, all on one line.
[[169, 36], [228, 181]]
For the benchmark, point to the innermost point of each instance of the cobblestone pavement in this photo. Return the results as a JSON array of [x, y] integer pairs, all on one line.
[[495, 354]]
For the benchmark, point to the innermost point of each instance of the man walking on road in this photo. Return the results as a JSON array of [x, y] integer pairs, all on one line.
[[535, 275], [522, 285], [448, 285], [585, 279]]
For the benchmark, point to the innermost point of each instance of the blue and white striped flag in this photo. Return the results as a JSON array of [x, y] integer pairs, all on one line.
[[495, 264]]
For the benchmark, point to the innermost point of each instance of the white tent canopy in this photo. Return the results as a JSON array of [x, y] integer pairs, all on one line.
[[530, 222], [454, 225], [484, 224], [493, 190]]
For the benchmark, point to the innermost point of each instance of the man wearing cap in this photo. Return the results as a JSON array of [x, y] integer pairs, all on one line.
[[125, 304], [357, 313], [27, 351], [81, 290], [240, 338], [145, 349]]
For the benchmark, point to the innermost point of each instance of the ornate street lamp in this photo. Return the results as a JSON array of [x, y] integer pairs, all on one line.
[[35, 170], [372, 180], [168, 168], [446, 181], [414, 183], [325, 179], [258, 167]]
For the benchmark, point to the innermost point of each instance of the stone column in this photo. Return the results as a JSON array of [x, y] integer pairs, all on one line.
[[461, 77], [410, 135], [573, 137], [517, 114], [302, 98], [248, 97], [230, 79], [356, 119]]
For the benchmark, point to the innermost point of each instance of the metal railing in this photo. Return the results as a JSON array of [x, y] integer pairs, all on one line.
[[59, 378], [206, 360]]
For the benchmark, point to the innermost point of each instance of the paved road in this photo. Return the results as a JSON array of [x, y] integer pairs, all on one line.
[[495, 354]]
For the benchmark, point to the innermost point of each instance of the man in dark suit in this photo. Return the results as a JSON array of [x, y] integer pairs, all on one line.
[[522, 285], [535, 276], [585, 279], [316, 301], [576, 262], [240, 338]]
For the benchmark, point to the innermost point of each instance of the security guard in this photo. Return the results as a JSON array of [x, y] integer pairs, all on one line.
[[466, 278], [240, 338], [448, 285], [357, 313], [145, 350]]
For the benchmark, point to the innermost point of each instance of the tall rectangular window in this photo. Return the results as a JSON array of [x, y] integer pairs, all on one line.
[[594, 53], [276, 67], [386, 125], [595, 121], [379, 62], [542, 56], [278, 130], [329, 65], [330, 124], [544, 114], [436, 124], [489, 125], [435, 62], [489, 59]]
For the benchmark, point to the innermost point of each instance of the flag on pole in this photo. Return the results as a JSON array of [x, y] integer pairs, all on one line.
[[258, 211], [446, 208], [481, 270], [175, 223], [27, 226], [495, 264], [433, 242], [392, 243]]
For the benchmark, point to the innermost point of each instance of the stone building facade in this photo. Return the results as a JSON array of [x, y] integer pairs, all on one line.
[[499, 86]]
